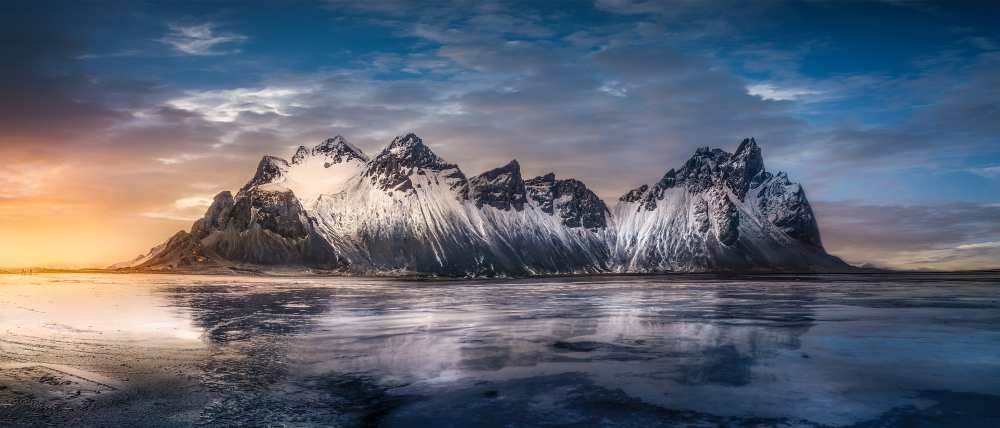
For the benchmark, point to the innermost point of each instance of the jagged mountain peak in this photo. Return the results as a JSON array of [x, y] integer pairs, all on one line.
[[268, 170], [509, 168], [512, 165], [338, 147], [704, 169], [502, 188], [300, 155], [334, 150], [412, 152], [748, 144], [722, 203], [406, 144], [744, 167], [570, 199], [336, 140], [546, 179], [407, 155]]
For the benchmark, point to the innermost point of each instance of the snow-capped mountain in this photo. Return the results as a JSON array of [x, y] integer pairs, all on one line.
[[541, 225], [719, 211], [408, 211]]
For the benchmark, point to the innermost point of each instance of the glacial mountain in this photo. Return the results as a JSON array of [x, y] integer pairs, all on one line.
[[540, 225], [719, 211], [408, 211]]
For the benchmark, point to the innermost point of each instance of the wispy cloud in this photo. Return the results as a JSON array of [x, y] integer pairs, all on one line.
[[979, 245], [23, 180], [225, 105], [768, 91], [115, 54], [987, 171], [180, 158], [188, 208], [202, 40]]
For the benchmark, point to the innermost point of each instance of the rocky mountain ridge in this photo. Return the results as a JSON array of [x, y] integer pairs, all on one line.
[[408, 211]]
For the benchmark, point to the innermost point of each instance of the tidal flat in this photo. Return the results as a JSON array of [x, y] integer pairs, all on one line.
[[857, 350]]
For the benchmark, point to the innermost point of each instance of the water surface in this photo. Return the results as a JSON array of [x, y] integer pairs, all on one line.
[[822, 350]]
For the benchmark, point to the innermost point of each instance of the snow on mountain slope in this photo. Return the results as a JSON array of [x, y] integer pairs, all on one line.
[[543, 225], [409, 211], [324, 169], [406, 212], [719, 211]]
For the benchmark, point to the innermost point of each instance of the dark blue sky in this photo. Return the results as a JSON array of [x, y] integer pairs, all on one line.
[[876, 107]]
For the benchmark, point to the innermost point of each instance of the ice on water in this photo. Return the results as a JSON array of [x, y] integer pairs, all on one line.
[[172, 350]]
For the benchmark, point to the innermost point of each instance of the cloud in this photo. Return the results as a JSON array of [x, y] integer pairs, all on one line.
[[987, 171], [189, 208], [116, 54], [484, 82], [201, 39], [942, 236], [769, 91], [979, 245], [226, 104], [25, 179], [180, 158], [509, 89]]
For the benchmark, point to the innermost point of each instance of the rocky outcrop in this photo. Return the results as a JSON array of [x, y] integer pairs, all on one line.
[[500, 188], [570, 199]]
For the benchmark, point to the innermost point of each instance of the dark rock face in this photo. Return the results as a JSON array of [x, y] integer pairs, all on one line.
[[634, 194], [540, 190], [268, 170], [698, 175], [278, 212], [500, 188], [706, 169], [407, 155], [745, 164], [786, 206], [701, 216], [270, 228], [725, 215], [577, 205], [259, 227], [181, 251], [337, 150], [300, 155], [701, 171], [216, 217], [333, 151], [263, 227]]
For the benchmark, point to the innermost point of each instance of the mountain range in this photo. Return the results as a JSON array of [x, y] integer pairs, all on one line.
[[406, 211]]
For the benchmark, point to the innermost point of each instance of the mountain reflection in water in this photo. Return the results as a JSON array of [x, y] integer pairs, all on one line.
[[165, 350]]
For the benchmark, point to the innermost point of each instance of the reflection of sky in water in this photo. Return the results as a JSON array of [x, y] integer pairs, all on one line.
[[828, 350], [113, 306]]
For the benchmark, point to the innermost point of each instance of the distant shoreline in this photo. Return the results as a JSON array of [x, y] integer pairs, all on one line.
[[428, 277]]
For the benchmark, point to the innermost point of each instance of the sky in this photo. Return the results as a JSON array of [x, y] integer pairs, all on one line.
[[120, 120]]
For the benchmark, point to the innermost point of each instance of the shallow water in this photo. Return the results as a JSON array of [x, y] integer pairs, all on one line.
[[823, 350]]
